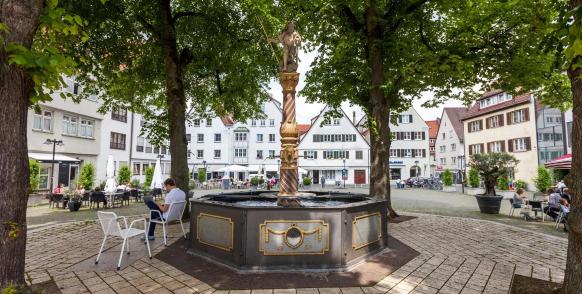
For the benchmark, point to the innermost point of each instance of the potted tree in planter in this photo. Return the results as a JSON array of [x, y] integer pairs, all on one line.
[[254, 182], [307, 183], [491, 166], [448, 181], [75, 198], [474, 183], [124, 175]]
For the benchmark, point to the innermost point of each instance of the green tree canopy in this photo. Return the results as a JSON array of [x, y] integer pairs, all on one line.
[[87, 176], [124, 175]]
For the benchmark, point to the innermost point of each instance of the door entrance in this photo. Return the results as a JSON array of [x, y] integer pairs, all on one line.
[[315, 176], [64, 169], [359, 176]]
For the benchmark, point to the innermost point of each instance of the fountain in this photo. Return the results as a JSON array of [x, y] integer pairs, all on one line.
[[289, 230]]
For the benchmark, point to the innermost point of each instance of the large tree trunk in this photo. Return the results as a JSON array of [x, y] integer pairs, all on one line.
[[22, 18], [175, 98], [379, 108], [573, 277]]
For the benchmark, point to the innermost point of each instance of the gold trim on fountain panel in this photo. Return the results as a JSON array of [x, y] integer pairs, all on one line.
[[356, 247], [319, 230], [231, 223]]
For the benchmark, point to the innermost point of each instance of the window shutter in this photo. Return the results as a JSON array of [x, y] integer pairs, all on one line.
[[412, 135], [469, 128], [423, 136], [480, 124], [527, 143], [488, 147], [487, 123], [502, 144], [471, 149], [400, 119], [398, 135], [510, 145], [526, 112], [500, 118], [410, 118], [509, 114], [423, 152], [482, 148]]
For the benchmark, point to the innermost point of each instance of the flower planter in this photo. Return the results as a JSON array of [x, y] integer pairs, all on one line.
[[489, 204], [474, 191], [449, 189], [74, 205], [306, 187], [505, 193]]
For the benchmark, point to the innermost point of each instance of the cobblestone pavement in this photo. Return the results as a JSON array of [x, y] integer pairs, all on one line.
[[457, 255]]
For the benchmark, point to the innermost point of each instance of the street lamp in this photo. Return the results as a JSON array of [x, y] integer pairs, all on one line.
[[54, 142], [344, 173], [462, 169]]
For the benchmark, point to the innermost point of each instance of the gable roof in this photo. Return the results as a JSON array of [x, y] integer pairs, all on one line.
[[455, 114], [476, 111], [302, 129], [320, 115], [433, 128], [227, 121]]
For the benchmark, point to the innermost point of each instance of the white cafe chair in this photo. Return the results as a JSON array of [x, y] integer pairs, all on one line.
[[111, 227], [175, 212]]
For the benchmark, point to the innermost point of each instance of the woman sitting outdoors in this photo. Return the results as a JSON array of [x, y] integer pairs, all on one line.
[[521, 201]]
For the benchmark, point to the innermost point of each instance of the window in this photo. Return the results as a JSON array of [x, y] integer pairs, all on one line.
[[156, 149], [148, 147], [72, 86], [87, 128], [550, 119], [310, 154], [188, 138], [200, 153], [200, 138], [518, 116], [117, 141], [142, 122], [418, 136], [443, 135], [406, 136], [240, 152], [119, 115], [240, 137], [43, 121], [475, 149], [328, 174], [271, 137], [253, 123], [259, 137], [453, 160], [217, 153], [336, 154], [189, 153], [359, 154], [259, 154], [208, 122], [393, 153], [44, 177], [271, 153], [443, 160], [217, 138], [334, 138], [431, 148], [432, 141], [496, 147], [137, 169], [443, 148], [405, 118], [140, 144], [272, 122], [519, 144], [475, 126], [453, 147], [164, 150], [262, 122], [144, 167], [336, 121], [196, 122], [326, 122], [70, 125], [407, 152], [495, 99]]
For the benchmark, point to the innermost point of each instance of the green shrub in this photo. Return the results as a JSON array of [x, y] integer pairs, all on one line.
[[447, 177], [255, 181], [102, 185], [87, 176], [306, 181], [34, 176], [201, 175], [474, 180], [544, 179], [520, 184], [135, 183], [149, 176], [124, 175], [503, 183]]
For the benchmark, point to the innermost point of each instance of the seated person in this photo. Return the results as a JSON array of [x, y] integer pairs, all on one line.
[[521, 201], [79, 190], [174, 195], [59, 189], [553, 207], [566, 194], [565, 204], [97, 195]]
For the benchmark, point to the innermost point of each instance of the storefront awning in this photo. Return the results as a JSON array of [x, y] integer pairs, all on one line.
[[47, 157], [563, 162]]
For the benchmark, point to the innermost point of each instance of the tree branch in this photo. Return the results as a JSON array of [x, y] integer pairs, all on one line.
[[181, 14], [148, 26], [423, 37], [347, 13], [218, 85]]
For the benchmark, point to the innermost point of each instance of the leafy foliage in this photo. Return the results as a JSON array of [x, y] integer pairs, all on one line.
[[135, 183], [447, 177], [87, 176], [306, 181], [149, 176], [544, 179], [255, 181], [201, 175], [34, 175], [492, 166], [474, 180], [520, 184], [123, 175]]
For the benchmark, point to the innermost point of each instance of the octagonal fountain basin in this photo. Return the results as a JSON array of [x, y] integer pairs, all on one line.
[[332, 231]]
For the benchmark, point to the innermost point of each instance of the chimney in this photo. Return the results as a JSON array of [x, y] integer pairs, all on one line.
[[354, 116]]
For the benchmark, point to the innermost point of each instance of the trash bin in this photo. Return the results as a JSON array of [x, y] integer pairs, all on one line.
[[226, 184]]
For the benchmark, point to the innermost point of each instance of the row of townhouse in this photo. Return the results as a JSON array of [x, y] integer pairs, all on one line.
[[500, 122]]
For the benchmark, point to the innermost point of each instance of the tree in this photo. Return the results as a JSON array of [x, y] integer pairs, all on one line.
[[34, 177], [544, 179], [149, 176], [124, 175], [380, 55], [87, 176], [175, 61], [447, 177], [201, 175], [491, 166], [474, 180]]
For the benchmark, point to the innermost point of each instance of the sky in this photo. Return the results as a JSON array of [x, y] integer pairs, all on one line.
[[306, 111]]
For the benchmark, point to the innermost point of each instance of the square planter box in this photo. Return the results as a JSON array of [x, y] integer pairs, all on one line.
[[505, 193], [449, 189], [474, 191]]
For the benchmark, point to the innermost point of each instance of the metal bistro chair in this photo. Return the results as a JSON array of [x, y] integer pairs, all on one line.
[[125, 197], [512, 207], [560, 218], [55, 198], [538, 206], [175, 213], [86, 199], [135, 194], [110, 225]]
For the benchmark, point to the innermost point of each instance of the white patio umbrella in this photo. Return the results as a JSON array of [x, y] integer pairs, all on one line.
[[111, 184], [233, 168], [301, 171], [157, 180]]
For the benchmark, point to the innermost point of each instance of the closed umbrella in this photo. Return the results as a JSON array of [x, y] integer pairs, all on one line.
[[157, 180], [110, 185]]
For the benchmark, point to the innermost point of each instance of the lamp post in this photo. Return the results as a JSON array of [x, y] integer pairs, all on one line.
[[344, 173], [54, 142], [462, 169]]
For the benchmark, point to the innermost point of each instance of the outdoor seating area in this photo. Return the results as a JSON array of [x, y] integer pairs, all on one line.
[[554, 204], [99, 199]]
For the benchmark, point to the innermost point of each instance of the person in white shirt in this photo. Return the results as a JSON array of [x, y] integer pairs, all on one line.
[[175, 194]]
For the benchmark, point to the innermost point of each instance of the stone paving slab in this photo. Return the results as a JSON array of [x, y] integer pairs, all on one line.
[[457, 255]]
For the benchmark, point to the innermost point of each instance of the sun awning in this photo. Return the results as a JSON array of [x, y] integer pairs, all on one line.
[[563, 162], [48, 157]]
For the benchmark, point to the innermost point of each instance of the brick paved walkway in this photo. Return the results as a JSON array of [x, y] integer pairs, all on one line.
[[458, 255]]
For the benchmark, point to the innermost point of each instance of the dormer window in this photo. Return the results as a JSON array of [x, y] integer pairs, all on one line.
[[495, 99]]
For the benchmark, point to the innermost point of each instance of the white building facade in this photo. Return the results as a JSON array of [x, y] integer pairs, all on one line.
[[449, 146], [331, 146]]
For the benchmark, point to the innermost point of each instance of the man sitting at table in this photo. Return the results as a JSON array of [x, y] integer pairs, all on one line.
[[174, 195], [553, 208]]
